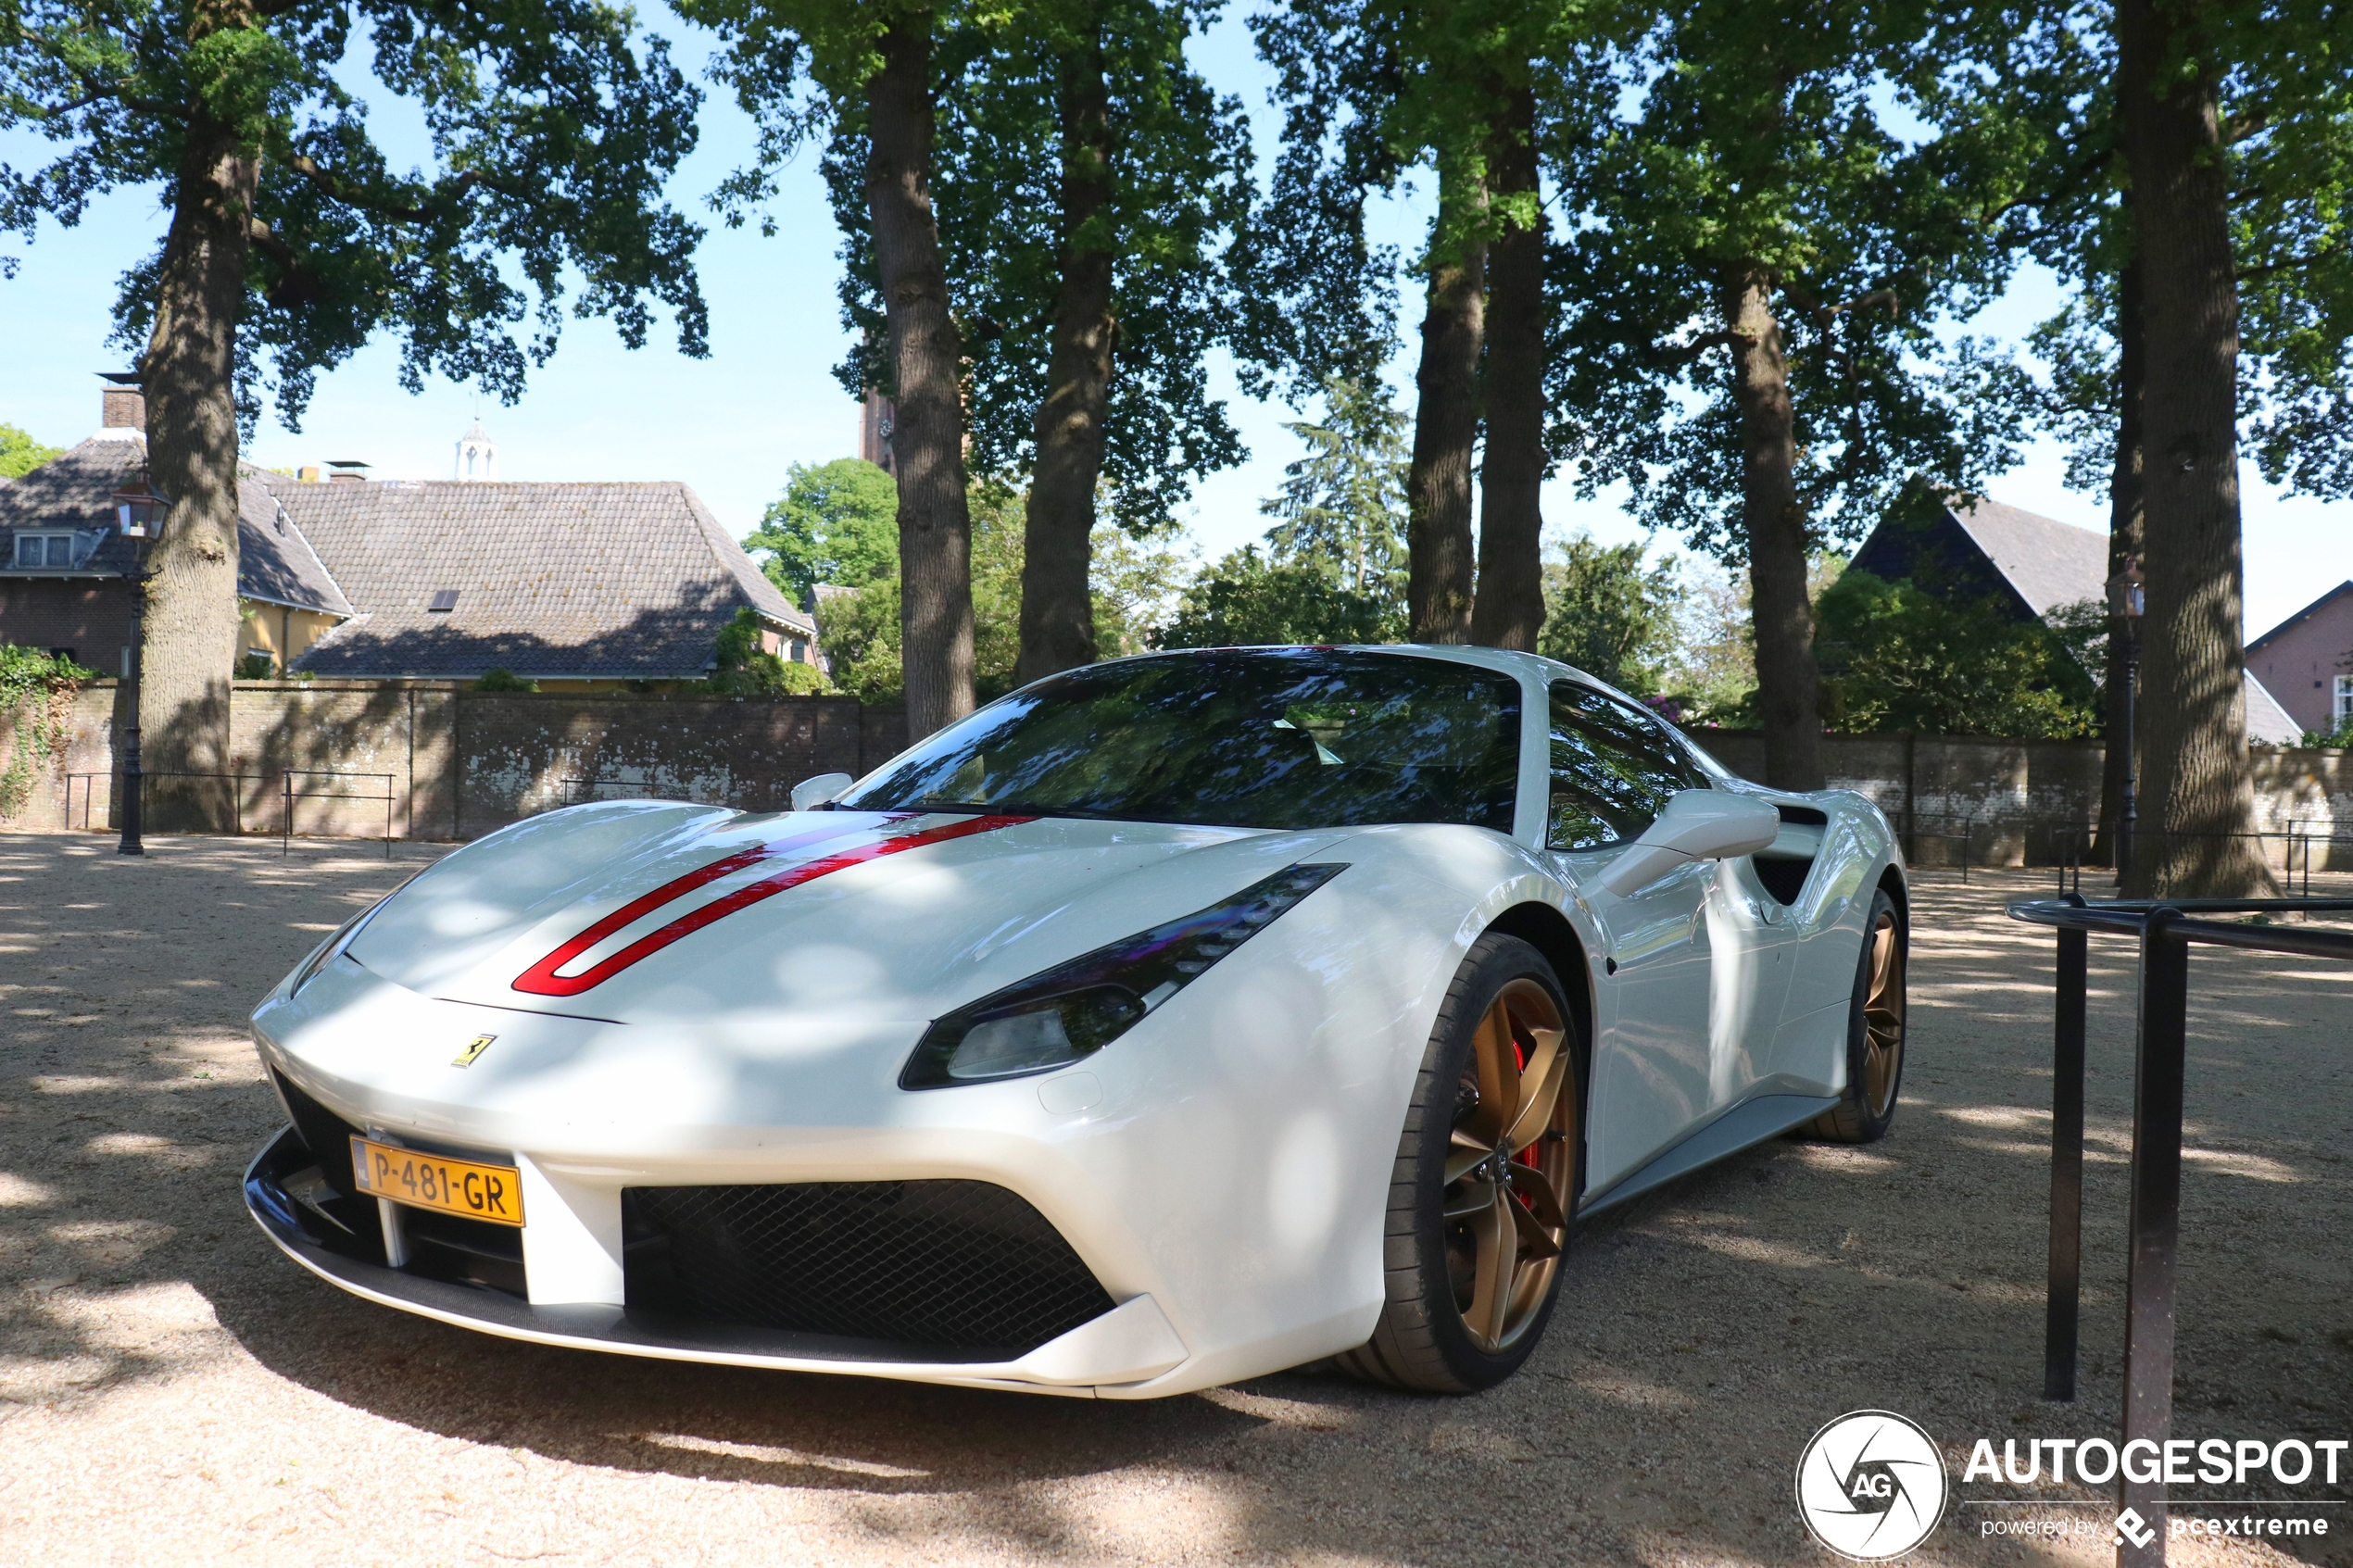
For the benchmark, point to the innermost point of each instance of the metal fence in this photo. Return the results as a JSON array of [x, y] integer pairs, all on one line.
[[2164, 930], [291, 795], [288, 792]]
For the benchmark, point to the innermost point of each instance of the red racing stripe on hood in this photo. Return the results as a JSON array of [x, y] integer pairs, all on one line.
[[541, 979]]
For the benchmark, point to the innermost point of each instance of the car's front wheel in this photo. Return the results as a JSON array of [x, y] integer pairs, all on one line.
[[1485, 1180]]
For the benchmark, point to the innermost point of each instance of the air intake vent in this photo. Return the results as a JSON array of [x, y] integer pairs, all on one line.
[[938, 1265]]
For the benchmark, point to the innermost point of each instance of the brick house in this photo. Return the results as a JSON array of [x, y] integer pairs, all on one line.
[[63, 565], [2307, 660], [585, 586]]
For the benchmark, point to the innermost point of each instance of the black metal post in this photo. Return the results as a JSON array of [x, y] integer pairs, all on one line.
[[2064, 1296], [133, 777], [2130, 811], [2155, 1227]]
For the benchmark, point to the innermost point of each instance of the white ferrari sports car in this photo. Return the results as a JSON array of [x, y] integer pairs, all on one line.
[[1174, 1020]]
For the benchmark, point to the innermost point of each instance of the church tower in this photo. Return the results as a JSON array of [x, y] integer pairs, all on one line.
[[477, 455]]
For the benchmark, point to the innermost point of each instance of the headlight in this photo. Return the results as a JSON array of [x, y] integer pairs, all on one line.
[[345, 933], [1075, 1009]]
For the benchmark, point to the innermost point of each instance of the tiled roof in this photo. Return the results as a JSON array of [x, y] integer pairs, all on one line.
[[2050, 563], [2266, 720], [610, 582], [76, 490]]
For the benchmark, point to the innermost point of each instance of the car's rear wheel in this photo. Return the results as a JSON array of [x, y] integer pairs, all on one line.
[[1485, 1180], [1874, 1032]]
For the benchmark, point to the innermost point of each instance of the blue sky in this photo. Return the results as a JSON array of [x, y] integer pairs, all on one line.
[[765, 398]]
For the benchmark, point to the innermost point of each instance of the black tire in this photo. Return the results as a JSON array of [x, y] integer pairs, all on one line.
[[1424, 1341], [1875, 1028]]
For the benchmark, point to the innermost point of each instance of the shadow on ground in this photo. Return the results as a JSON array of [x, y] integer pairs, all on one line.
[[157, 1349]]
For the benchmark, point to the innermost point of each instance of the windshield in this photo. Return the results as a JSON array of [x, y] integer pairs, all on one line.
[[1255, 737]]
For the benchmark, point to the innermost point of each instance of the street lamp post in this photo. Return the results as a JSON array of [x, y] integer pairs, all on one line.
[[139, 512], [2126, 603]]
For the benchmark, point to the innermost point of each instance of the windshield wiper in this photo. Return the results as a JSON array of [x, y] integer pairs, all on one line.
[[1020, 809]]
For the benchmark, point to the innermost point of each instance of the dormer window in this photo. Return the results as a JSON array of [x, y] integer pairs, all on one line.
[[43, 551]]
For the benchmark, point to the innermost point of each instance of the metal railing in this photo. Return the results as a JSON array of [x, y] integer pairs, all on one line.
[[2298, 843], [287, 792], [1909, 832], [2165, 931], [291, 793], [88, 781]]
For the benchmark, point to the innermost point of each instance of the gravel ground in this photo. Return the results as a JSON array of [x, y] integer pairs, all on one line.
[[173, 1391]]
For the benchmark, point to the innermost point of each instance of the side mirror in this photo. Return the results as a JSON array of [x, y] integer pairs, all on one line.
[[816, 791], [1698, 824]]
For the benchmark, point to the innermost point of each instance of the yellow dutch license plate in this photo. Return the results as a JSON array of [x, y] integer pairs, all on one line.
[[427, 1181]]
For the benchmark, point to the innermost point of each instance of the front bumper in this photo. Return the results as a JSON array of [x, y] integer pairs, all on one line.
[[1108, 1355]]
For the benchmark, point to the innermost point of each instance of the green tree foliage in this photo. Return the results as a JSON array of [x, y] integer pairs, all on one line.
[[1342, 504], [836, 522], [292, 238], [864, 75], [1135, 587], [554, 129], [1246, 600], [498, 678], [21, 454], [1762, 243], [2286, 106], [1898, 657], [1179, 184], [1610, 615], [859, 630], [747, 668]]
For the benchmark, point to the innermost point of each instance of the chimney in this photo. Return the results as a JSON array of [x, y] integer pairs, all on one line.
[[122, 404], [348, 471]]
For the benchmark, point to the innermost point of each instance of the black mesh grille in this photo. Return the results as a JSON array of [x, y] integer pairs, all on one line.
[[954, 1265], [464, 1251]]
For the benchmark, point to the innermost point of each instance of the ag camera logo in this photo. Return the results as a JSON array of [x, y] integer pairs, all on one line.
[[1870, 1485]]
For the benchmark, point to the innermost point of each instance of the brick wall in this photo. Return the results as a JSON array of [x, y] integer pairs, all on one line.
[[457, 764], [90, 616]]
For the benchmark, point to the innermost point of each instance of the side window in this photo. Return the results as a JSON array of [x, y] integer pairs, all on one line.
[[1613, 770]]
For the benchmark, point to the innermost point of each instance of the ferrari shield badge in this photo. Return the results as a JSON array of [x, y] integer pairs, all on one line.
[[474, 1047]]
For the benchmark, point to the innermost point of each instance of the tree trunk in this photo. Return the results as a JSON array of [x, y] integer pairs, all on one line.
[[2192, 715], [1438, 485], [190, 636], [1057, 612], [928, 438], [1509, 612], [1788, 685], [2123, 544]]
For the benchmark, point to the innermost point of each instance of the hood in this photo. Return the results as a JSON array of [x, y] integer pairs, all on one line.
[[634, 911]]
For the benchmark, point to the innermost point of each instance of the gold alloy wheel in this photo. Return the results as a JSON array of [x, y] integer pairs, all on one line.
[[1883, 1018], [1510, 1165]]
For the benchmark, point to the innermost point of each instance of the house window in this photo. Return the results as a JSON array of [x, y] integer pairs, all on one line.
[[44, 549], [800, 651], [2344, 698], [444, 601]]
